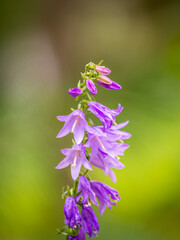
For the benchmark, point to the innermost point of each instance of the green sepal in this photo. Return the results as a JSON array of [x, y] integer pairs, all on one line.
[[66, 230]]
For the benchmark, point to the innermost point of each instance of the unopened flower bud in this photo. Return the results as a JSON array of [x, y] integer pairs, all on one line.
[[104, 79], [75, 92], [91, 86], [103, 70]]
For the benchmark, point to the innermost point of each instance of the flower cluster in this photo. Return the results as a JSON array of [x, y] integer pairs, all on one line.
[[99, 146]]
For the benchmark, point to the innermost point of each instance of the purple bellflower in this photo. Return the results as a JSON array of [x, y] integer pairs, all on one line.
[[75, 156], [86, 192], [75, 92], [76, 123], [114, 133], [72, 215], [104, 193], [105, 162], [106, 143], [106, 115], [103, 70], [91, 86], [89, 221], [112, 86]]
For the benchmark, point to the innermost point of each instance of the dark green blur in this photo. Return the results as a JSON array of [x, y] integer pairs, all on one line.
[[44, 45]]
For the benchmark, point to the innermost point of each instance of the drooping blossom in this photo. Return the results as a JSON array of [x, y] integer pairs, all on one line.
[[105, 162], [112, 86], [86, 192], [105, 114], [89, 221], [107, 141], [91, 86], [75, 156], [76, 123], [72, 214], [104, 79], [80, 236], [103, 70], [114, 133], [75, 92], [104, 193]]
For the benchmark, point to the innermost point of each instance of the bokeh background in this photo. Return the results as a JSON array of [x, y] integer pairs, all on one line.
[[44, 45]]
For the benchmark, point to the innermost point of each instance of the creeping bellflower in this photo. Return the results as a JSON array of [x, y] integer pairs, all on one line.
[[72, 215], [86, 192], [106, 115], [99, 146], [104, 193], [112, 86], [106, 162], [75, 156], [89, 221], [76, 123], [91, 86], [75, 92]]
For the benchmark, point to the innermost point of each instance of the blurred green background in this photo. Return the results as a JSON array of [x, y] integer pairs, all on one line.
[[44, 45]]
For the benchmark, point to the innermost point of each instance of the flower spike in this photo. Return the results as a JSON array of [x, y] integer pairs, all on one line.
[[93, 146]]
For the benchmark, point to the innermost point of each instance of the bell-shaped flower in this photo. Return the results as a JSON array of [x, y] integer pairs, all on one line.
[[106, 115], [89, 221], [85, 188], [105, 162], [104, 193], [112, 86], [103, 70], [72, 214], [80, 236], [76, 123], [75, 156], [75, 92], [91, 86], [105, 142]]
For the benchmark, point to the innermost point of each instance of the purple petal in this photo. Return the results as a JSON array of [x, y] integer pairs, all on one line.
[[112, 175], [78, 132], [103, 70], [75, 92], [66, 128], [112, 86], [120, 125], [64, 163], [76, 170], [91, 86]]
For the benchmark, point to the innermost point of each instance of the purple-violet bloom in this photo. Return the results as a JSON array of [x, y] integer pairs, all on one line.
[[114, 133], [106, 115], [80, 236], [75, 156], [85, 188], [89, 221], [103, 70], [76, 123], [104, 193], [91, 86], [105, 162], [72, 215], [75, 92], [112, 86], [107, 141]]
